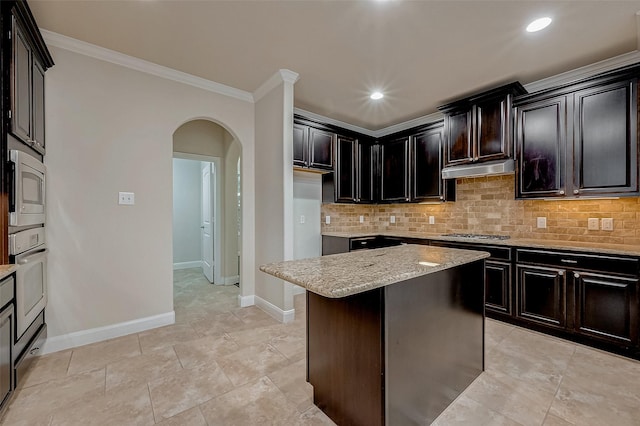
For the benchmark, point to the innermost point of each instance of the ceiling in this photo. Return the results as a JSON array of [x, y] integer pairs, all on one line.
[[421, 54]]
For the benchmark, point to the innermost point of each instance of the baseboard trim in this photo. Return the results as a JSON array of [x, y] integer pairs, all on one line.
[[98, 334], [277, 313], [187, 265], [231, 280], [244, 301], [298, 290]]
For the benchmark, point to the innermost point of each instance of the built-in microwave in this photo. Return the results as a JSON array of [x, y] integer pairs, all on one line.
[[27, 201]]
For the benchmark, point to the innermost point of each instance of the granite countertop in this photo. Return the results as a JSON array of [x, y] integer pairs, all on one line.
[[6, 270], [345, 274], [598, 248]]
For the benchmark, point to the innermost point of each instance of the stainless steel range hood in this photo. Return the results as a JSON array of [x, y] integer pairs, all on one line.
[[501, 167]]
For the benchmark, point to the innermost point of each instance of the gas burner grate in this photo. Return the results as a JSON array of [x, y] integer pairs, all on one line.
[[478, 236]]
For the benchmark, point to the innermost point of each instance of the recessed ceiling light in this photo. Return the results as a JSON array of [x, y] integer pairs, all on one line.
[[539, 24], [376, 95]]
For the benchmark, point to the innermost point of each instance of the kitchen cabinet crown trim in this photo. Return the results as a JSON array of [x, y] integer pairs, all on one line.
[[21, 10]]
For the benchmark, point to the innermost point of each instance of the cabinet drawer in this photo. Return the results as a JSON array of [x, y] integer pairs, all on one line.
[[362, 243], [615, 264], [497, 252], [32, 351], [6, 291]]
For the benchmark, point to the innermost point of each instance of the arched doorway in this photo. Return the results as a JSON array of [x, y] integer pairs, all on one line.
[[206, 155]]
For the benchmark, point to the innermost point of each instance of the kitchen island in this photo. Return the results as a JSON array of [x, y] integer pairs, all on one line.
[[394, 335]]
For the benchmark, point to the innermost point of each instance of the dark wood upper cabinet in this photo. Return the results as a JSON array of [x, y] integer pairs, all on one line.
[[580, 139], [366, 172], [300, 145], [321, 144], [29, 59], [478, 128], [540, 144], [394, 160], [426, 172], [21, 86], [313, 148], [605, 148], [346, 170]]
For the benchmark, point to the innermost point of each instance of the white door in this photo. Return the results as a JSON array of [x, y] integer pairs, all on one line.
[[208, 182]]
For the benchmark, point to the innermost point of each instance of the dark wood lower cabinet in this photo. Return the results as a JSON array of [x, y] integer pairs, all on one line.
[[606, 307], [497, 293], [541, 295]]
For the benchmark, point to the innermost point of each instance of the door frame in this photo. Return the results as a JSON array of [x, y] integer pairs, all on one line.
[[218, 255]]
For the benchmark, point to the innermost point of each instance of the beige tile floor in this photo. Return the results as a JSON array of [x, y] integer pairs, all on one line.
[[224, 365]]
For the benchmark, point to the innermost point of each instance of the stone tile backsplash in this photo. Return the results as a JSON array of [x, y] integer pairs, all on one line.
[[487, 205]]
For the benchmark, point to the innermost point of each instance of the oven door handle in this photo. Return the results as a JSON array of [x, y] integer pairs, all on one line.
[[36, 255]]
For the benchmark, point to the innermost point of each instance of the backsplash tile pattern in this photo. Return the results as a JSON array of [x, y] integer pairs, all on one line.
[[487, 205]]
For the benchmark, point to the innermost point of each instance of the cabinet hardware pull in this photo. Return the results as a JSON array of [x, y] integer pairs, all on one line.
[[577, 275], [568, 261], [576, 191], [561, 273], [561, 192]]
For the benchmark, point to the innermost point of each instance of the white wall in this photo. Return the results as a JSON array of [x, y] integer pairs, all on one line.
[[109, 129], [274, 194], [187, 207], [201, 137], [307, 200], [230, 267]]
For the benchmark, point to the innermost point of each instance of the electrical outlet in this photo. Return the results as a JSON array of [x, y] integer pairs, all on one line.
[[593, 223], [327, 220], [361, 219], [432, 220], [607, 224], [541, 222], [392, 219], [126, 198], [302, 219]]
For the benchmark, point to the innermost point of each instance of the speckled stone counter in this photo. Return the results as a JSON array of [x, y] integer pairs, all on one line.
[[578, 246], [346, 274], [6, 270]]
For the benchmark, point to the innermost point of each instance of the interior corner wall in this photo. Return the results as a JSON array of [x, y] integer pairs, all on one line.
[[187, 208], [231, 264], [109, 129], [272, 129], [201, 137]]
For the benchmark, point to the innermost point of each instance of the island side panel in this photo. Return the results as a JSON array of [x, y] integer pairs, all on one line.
[[345, 357], [434, 329]]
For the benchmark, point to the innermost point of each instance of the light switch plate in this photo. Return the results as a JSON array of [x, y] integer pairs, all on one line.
[[126, 198], [327, 220], [607, 224], [541, 222], [302, 219], [432, 220], [593, 223], [361, 219], [392, 219]]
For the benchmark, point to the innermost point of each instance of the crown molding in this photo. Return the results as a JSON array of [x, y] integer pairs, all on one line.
[[425, 119], [107, 55], [334, 122], [584, 72], [281, 76]]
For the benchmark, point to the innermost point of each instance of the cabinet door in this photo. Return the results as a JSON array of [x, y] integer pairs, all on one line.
[[427, 165], [492, 128], [321, 149], [365, 173], [6, 364], [395, 170], [38, 107], [606, 307], [300, 145], [541, 136], [345, 170], [21, 85], [605, 150], [458, 137], [498, 287], [541, 295]]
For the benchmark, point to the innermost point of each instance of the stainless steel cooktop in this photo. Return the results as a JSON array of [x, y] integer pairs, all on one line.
[[478, 236]]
